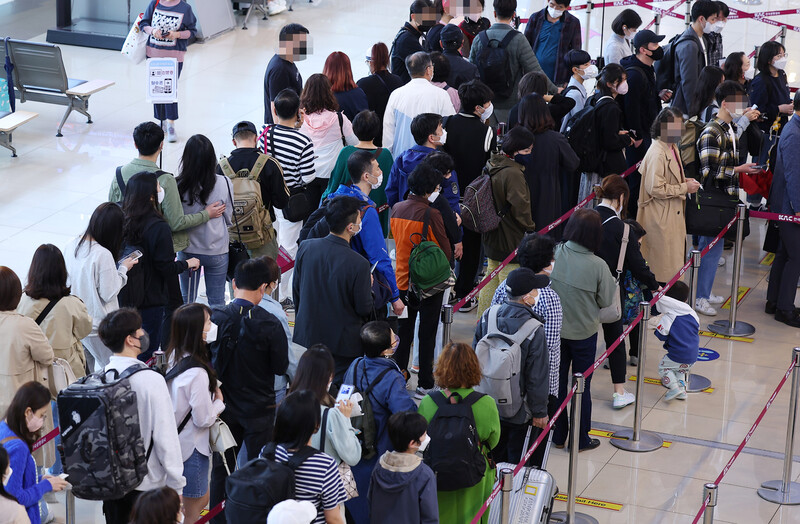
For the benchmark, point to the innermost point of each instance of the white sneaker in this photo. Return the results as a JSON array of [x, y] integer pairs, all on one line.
[[171, 135], [626, 399], [675, 393], [715, 299], [721, 262], [273, 8], [702, 306]]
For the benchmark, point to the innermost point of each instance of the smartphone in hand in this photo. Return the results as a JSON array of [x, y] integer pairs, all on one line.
[[344, 393]]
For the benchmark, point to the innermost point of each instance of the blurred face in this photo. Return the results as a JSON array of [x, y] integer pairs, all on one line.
[[468, 8], [426, 19], [671, 131], [296, 47], [735, 104]]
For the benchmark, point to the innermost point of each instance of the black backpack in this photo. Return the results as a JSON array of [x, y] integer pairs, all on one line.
[[494, 66], [454, 453], [665, 68], [257, 486], [584, 137], [365, 424]]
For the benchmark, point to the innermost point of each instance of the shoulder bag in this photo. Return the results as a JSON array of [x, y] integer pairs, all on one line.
[[60, 373], [613, 312], [299, 206]]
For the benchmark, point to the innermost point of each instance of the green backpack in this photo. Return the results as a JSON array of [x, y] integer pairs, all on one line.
[[428, 268]]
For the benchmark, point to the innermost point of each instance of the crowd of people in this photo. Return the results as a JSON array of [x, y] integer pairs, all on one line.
[[393, 196]]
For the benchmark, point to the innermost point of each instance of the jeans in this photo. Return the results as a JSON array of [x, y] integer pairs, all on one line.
[[708, 266], [785, 268], [152, 319], [215, 270], [429, 311], [167, 111], [579, 355]]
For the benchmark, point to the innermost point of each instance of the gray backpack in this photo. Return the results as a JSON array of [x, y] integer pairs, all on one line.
[[500, 355], [104, 453]]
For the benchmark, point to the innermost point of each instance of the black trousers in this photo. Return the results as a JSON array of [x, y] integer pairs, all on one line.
[[786, 268], [175, 301], [469, 264], [537, 459], [118, 511], [429, 311], [255, 434]]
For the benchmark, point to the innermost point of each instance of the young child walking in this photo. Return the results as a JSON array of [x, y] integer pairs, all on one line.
[[679, 330]]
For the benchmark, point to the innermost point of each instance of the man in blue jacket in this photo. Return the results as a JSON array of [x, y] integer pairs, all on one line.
[[426, 128], [365, 174], [552, 32], [784, 198]]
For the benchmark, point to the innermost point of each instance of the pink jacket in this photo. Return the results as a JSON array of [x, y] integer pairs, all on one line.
[[323, 129]]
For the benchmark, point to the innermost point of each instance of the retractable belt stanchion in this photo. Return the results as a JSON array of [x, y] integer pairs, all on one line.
[[570, 516], [507, 480], [710, 494], [635, 439], [688, 13], [784, 491], [447, 323], [783, 36], [587, 32], [70, 506], [658, 23], [695, 383], [732, 327]]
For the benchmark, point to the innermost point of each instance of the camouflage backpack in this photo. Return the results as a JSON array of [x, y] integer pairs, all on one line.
[[104, 453]]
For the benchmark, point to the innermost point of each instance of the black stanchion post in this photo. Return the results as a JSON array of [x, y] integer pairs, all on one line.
[[447, 322], [731, 327], [784, 491], [635, 439], [571, 516], [695, 382], [710, 493]]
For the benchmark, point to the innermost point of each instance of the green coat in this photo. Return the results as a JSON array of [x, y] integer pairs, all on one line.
[[584, 284], [459, 507], [171, 207], [340, 175]]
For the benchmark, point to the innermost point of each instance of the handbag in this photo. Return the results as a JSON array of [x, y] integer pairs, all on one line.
[[299, 207], [613, 312], [709, 210], [135, 46], [237, 250], [220, 440], [345, 472]]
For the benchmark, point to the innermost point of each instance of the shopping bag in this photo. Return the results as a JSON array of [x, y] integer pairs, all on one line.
[[135, 44]]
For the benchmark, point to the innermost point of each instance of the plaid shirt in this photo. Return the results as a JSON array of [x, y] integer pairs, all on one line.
[[716, 153], [548, 307]]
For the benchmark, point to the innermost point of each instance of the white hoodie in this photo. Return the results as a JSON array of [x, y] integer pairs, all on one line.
[[672, 309], [323, 129]]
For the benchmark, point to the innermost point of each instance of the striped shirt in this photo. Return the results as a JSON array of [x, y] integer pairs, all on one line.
[[316, 480], [294, 151]]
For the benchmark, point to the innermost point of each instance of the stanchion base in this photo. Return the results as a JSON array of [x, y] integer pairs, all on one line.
[[771, 491], [648, 441], [697, 383], [739, 329], [560, 517]]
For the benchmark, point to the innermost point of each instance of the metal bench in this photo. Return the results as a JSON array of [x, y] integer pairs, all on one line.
[[8, 123], [39, 76]]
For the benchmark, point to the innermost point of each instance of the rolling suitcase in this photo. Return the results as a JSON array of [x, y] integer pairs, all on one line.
[[533, 492]]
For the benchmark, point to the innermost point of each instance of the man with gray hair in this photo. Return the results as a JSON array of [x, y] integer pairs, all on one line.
[[416, 97]]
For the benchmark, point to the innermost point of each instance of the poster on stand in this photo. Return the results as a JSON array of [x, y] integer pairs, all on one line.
[[162, 80]]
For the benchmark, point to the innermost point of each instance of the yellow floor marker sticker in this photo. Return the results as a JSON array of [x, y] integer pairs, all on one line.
[[614, 506], [291, 323], [726, 337], [610, 434], [743, 291], [657, 382], [768, 259]]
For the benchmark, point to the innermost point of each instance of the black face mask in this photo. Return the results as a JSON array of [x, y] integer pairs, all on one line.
[[658, 54]]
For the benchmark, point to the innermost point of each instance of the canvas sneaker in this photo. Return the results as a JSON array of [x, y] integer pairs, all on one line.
[[626, 399], [715, 299], [171, 135], [674, 393], [469, 305], [702, 306]]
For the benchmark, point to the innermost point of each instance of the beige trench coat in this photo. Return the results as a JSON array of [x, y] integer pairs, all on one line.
[[662, 200], [25, 355]]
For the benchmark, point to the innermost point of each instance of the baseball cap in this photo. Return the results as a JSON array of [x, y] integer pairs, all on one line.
[[244, 126], [522, 280], [644, 37], [452, 36]]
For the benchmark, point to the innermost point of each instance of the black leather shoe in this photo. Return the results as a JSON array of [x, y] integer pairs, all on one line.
[[559, 446], [771, 307], [593, 444], [790, 319]]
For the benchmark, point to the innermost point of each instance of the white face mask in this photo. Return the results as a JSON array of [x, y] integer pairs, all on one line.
[[211, 334], [780, 63], [160, 195], [443, 138], [622, 88], [433, 196], [718, 26], [357, 231], [377, 184], [423, 444], [750, 73], [487, 112], [708, 28], [550, 270], [589, 72], [34, 423], [7, 475], [554, 13], [629, 34]]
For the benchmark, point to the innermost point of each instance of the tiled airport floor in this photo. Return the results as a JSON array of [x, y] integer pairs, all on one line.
[[51, 189]]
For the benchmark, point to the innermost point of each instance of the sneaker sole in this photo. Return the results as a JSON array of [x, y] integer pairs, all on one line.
[[467, 309]]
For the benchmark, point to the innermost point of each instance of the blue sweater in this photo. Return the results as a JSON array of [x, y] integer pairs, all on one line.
[[683, 342], [370, 242], [23, 482]]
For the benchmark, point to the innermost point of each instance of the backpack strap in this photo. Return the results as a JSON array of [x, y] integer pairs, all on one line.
[[492, 325], [120, 181], [341, 127], [184, 365], [623, 248], [225, 166], [268, 451], [472, 398], [426, 223], [259, 166], [9, 439], [322, 429], [300, 456], [440, 400], [525, 332], [507, 39], [47, 309]]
